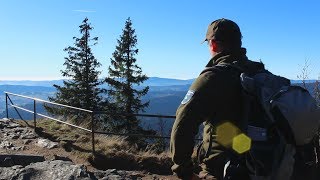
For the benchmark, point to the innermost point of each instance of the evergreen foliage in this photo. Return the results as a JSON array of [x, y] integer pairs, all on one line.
[[124, 74], [81, 87]]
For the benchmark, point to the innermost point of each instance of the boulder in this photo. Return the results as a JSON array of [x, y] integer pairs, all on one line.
[[7, 160], [48, 170], [58, 169], [45, 143]]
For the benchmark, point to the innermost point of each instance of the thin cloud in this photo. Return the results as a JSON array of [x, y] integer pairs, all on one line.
[[84, 11]]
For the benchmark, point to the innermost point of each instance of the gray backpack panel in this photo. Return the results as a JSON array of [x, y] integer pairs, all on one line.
[[300, 110], [295, 103], [299, 114]]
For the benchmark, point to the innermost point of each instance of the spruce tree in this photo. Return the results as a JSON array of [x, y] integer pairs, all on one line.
[[80, 89], [124, 75]]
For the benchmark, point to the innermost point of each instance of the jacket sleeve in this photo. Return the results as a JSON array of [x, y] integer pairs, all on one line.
[[193, 110]]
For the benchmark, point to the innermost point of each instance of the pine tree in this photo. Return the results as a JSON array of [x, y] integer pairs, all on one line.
[[124, 73], [81, 87]]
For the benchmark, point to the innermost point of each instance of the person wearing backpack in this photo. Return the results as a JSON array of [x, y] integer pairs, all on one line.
[[256, 124], [213, 99]]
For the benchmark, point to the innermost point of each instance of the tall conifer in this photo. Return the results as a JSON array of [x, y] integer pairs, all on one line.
[[80, 89], [124, 76]]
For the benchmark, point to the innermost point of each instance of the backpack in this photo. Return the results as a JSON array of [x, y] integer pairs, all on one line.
[[282, 121]]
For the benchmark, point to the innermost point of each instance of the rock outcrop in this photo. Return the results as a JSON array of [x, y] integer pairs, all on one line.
[[7, 160], [15, 139], [58, 169], [10, 131]]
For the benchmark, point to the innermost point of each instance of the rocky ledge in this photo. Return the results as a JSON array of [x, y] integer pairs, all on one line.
[[58, 169], [16, 164]]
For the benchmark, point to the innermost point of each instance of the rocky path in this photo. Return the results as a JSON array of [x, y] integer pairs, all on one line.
[[25, 155]]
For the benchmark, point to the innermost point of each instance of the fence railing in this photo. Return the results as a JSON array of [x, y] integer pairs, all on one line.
[[93, 131]]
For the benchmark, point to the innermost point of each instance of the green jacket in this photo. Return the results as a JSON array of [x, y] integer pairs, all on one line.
[[213, 98]]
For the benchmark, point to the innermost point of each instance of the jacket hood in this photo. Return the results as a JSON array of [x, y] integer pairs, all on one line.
[[238, 58]]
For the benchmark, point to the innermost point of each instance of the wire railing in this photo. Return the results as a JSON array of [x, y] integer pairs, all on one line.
[[93, 130]]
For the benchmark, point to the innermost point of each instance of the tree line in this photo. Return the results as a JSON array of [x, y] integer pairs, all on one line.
[[82, 86]]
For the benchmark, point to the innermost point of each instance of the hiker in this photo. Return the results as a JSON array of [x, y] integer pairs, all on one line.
[[214, 98], [257, 125]]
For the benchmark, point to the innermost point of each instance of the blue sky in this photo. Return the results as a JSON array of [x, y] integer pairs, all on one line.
[[33, 34]]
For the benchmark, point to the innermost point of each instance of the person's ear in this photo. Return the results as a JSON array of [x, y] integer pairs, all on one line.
[[213, 45]]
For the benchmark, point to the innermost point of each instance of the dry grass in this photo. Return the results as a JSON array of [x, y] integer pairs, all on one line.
[[111, 151]]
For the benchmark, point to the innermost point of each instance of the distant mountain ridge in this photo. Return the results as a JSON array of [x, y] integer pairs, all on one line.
[[45, 83], [157, 81], [300, 81], [163, 99], [152, 81]]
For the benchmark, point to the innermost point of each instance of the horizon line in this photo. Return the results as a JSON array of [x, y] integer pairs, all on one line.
[[57, 79], [38, 80]]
